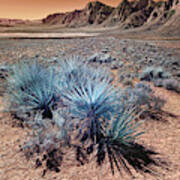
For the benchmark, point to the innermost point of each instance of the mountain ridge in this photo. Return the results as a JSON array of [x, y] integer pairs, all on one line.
[[163, 16], [93, 13], [128, 14]]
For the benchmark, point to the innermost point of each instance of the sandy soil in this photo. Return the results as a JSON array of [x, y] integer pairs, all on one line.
[[161, 136], [46, 35]]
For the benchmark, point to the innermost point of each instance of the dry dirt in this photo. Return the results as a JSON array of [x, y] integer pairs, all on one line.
[[164, 137], [161, 136]]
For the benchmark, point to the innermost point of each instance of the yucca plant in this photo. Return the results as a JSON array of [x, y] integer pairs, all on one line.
[[105, 121], [111, 126], [91, 102], [83, 88], [118, 143], [31, 87], [102, 116], [74, 69]]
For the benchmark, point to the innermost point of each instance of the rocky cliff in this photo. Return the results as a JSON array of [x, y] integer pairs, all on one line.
[[128, 14]]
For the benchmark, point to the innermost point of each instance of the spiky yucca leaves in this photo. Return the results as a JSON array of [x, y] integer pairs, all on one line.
[[84, 89], [91, 99], [92, 103], [107, 118], [31, 87], [118, 133], [74, 69], [99, 115], [118, 143]]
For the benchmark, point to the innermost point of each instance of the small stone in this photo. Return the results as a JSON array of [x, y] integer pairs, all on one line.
[[101, 58]]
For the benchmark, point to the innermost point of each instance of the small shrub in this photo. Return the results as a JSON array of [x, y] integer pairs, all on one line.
[[126, 78], [172, 84], [48, 138], [143, 99], [153, 73], [31, 87], [138, 96], [118, 143]]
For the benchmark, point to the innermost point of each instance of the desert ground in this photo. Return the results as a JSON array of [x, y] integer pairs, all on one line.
[[162, 135]]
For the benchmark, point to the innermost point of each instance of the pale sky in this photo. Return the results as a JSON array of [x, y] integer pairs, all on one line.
[[37, 9]]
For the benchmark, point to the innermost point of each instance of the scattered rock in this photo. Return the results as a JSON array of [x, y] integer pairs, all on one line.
[[4, 70], [101, 58]]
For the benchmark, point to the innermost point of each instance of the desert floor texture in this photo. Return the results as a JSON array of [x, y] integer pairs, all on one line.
[[161, 135]]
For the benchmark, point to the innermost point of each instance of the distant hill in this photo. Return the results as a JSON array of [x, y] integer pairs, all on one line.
[[11, 22], [94, 13], [5, 22]]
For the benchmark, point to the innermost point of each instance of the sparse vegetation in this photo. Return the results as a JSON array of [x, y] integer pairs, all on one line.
[[160, 78], [90, 115], [76, 112]]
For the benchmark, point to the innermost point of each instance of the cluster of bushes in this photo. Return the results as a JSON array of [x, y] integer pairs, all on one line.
[[72, 104], [160, 78]]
